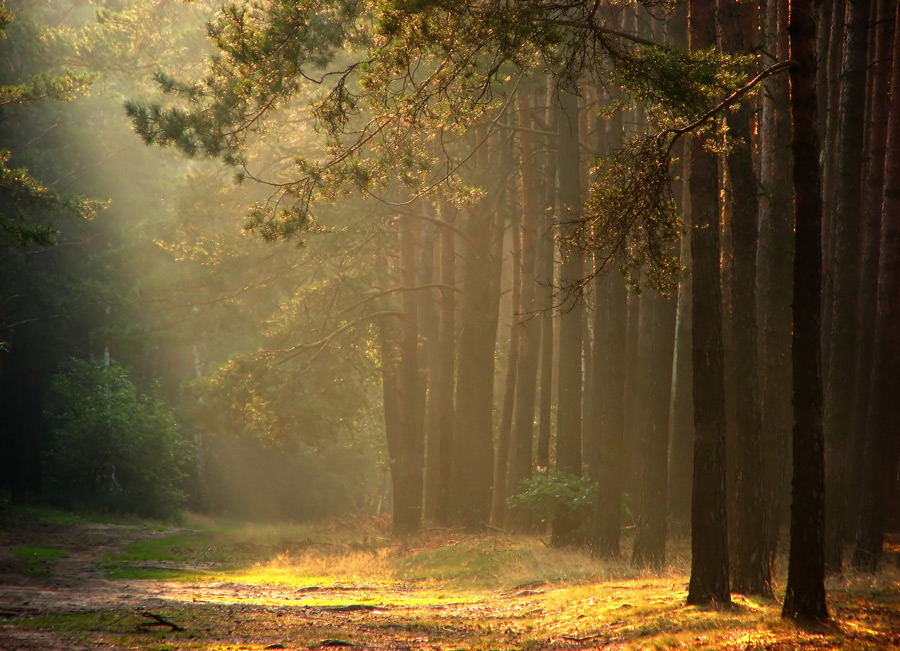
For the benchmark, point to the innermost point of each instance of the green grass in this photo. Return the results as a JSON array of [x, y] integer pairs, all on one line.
[[37, 561]]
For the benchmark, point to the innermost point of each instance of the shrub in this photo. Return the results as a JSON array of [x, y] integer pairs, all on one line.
[[112, 447]]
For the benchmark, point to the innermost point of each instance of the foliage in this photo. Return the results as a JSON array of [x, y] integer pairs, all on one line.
[[386, 92], [113, 446], [27, 203], [548, 493]]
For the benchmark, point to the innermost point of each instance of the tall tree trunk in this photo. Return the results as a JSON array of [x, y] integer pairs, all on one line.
[[429, 324], [709, 534], [775, 274], [650, 538], [568, 423], [545, 274], [443, 386], [879, 114], [609, 377], [841, 373], [410, 453], [681, 424], [830, 95], [528, 319], [501, 463], [805, 595], [473, 445], [753, 574], [884, 408]]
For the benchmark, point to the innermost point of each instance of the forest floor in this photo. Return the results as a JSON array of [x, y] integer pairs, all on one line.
[[74, 585]]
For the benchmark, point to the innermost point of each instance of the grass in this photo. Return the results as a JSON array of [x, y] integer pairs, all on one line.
[[246, 587], [37, 561]]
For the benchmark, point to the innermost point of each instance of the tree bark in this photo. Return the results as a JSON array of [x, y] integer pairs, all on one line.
[[805, 595], [879, 113], [650, 538], [473, 445], [775, 275], [409, 455], [568, 428], [709, 534], [884, 408], [841, 374], [528, 320], [443, 385], [753, 574]]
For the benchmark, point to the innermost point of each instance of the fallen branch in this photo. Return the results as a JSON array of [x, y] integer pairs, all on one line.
[[159, 620]]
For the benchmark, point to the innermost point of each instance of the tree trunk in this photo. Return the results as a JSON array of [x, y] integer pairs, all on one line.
[[568, 423], [805, 595], [829, 101], [410, 451], [879, 113], [709, 534], [473, 445], [609, 378], [884, 408], [681, 423], [501, 463], [753, 574], [445, 356], [650, 538], [775, 275], [841, 377], [546, 283], [528, 320]]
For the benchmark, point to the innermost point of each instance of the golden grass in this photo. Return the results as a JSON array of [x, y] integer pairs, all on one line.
[[462, 590]]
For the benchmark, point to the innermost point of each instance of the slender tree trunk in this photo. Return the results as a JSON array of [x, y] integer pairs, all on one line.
[[752, 573], [879, 113], [831, 94], [545, 274], [410, 453], [884, 407], [841, 377], [709, 534], [775, 275], [650, 539], [610, 378], [568, 424], [805, 595], [443, 386], [429, 322], [681, 423], [528, 320], [473, 445], [501, 463]]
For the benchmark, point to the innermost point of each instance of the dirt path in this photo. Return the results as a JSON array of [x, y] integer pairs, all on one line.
[[220, 615]]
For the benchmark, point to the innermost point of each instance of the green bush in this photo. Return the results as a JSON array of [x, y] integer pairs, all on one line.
[[112, 447], [551, 493]]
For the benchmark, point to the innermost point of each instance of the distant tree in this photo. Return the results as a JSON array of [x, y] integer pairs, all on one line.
[[568, 428]]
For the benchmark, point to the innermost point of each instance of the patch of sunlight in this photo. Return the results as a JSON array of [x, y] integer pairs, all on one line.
[[316, 569], [371, 602]]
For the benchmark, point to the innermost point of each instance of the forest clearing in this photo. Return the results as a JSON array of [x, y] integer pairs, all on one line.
[[581, 316], [77, 585]]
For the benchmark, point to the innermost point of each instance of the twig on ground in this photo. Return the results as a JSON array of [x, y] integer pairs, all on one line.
[[159, 620]]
